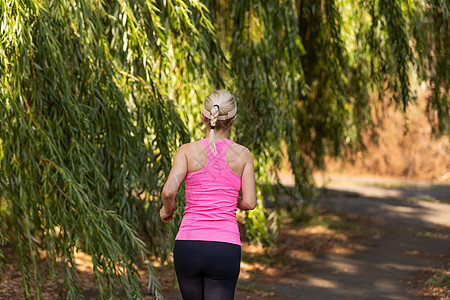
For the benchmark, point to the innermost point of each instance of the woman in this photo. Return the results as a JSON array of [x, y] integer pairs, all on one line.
[[207, 250]]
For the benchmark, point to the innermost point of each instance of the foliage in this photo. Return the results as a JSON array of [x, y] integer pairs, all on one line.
[[256, 35], [430, 30], [358, 52], [440, 279], [97, 95], [87, 130]]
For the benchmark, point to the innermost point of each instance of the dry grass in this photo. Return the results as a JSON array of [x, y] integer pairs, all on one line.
[[414, 154]]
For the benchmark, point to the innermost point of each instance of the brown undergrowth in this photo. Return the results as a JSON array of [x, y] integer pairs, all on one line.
[[432, 283], [405, 149]]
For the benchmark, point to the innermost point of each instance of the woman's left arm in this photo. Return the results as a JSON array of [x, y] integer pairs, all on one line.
[[176, 177]]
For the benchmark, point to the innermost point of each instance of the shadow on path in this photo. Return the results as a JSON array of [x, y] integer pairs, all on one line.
[[382, 267]]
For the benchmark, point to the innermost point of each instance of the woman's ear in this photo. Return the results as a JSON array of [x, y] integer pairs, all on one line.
[[232, 122], [203, 118]]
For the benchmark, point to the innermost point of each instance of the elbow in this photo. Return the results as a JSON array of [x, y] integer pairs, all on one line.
[[248, 205], [252, 202], [251, 205], [168, 195]]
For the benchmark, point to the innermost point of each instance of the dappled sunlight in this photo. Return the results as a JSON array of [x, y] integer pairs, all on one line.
[[301, 254], [83, 261], [300, 245], [246, 267], [345, 267], [249, 248], [396, 266], [319, 282], [345, 254], [378, 203], [386, 285]]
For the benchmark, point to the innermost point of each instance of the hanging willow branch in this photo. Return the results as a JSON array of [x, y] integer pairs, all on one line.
[[88, 129]]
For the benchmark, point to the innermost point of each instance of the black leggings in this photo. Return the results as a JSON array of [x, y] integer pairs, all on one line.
[[207, 270]]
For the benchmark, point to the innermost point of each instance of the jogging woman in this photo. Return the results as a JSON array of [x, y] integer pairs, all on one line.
[[207, 250]]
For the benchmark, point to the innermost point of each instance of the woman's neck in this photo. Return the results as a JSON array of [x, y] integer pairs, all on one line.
[[219, 135]]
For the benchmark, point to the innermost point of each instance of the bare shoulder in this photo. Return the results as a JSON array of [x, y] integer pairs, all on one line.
[[241, 151], [192, 147], [183, 148], [194, 151]]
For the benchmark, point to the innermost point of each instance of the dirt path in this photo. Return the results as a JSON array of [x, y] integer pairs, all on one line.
[[412, 235], [383, 266]]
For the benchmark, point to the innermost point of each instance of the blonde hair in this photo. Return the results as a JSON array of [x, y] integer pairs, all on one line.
[[220, 108]]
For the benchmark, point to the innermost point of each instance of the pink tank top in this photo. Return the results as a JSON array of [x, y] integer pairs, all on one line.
[[211, 200]]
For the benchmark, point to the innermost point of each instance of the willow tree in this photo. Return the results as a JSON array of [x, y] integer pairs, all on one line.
[[88, 127], [362, 52], [97, 95], [309, 72]]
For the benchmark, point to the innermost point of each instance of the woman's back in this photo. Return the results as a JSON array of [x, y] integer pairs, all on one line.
[[212, 190], [197, 157]]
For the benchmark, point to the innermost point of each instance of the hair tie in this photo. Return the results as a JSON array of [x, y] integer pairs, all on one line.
[[212, 127]]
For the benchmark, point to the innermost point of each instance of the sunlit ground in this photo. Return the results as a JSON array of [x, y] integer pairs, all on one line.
[[303, 238]]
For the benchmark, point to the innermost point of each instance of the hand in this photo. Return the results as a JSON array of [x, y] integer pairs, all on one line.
[[165, 216]]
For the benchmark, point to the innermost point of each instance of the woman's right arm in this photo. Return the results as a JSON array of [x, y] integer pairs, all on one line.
[[176, 176], [248, 200]]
